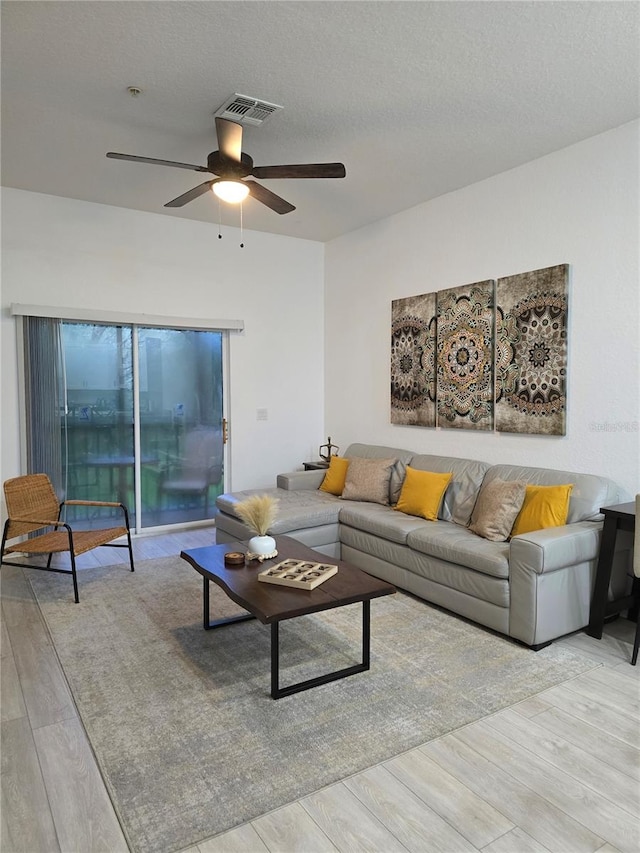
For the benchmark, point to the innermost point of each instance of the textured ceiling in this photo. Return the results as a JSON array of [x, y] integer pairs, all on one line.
[[415, 98]]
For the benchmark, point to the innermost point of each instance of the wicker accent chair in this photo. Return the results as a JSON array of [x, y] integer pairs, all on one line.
[[32, 506]]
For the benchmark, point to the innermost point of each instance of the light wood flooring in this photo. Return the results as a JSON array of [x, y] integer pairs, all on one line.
[[558, 772]]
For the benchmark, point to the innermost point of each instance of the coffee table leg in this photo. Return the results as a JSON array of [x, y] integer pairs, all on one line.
[[278, 692], [205, 601], [275, 661], [366, 635], [218, 623]]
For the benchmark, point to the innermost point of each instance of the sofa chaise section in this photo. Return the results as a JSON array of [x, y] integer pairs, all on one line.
[[304, 512]]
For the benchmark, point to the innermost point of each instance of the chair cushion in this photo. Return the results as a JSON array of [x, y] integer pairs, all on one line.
[[57, 541], [296, 509], [379, 520], [456, 544]]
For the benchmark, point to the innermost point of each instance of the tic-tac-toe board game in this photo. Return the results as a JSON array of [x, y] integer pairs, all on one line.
[[298, 573]]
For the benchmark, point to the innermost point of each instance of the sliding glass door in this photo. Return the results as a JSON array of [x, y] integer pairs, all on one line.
[[97, 415], [181, 438], [139, 415]]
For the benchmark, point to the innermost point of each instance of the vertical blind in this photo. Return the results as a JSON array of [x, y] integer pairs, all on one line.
[[43, 381]]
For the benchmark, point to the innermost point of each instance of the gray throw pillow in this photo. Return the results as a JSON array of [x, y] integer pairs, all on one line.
[[496, 509], [368, 480]]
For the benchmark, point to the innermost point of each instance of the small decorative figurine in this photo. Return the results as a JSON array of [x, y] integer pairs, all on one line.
[[329, 451]]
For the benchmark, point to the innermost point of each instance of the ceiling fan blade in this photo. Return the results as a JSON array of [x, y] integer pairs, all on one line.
[[272, 200], [301, 170], [135, 159], [229, 138], [190, 195]]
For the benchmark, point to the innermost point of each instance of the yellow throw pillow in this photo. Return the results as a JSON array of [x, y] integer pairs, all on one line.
[[422, 493], [336, 475], [544, 506]]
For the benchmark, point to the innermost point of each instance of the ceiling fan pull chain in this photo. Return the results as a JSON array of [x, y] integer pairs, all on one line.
[[219, 220], [241, 231]]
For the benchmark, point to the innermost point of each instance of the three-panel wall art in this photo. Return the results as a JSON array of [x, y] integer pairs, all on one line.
[[488, 356]]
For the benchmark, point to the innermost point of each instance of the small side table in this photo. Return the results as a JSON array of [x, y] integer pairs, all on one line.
[[618, 517], [315, 466]]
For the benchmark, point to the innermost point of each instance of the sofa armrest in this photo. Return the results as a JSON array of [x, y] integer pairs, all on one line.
[[555, 548], [298, 480]]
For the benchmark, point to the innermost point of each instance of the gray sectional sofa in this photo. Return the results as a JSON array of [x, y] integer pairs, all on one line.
[[533, 588]]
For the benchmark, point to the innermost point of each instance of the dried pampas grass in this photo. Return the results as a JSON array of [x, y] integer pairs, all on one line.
[[258, 512]]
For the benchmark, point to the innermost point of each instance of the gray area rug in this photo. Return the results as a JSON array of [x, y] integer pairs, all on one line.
[[186, 735]]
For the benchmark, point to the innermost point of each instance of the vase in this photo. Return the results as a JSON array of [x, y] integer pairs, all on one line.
[[262, 546]]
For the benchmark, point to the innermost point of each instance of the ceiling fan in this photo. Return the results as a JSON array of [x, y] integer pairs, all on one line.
[[232, 167]]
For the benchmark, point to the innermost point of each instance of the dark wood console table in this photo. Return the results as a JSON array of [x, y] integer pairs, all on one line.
[[315, 466], [618, 517]]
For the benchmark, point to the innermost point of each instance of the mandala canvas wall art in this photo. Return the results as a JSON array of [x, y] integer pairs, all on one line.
[[531, 351], [465, 322], [413, 346]]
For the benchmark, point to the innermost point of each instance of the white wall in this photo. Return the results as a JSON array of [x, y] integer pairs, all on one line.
[[58, 251], [577, 206]]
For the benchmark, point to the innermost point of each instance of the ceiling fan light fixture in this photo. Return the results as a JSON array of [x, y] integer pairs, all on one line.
[[230, 191], [231, 166]]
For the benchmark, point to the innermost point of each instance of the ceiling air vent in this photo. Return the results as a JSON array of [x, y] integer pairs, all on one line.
[[246, 110]]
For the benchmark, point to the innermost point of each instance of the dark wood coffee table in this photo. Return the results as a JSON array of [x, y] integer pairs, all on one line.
[[272, 604]]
